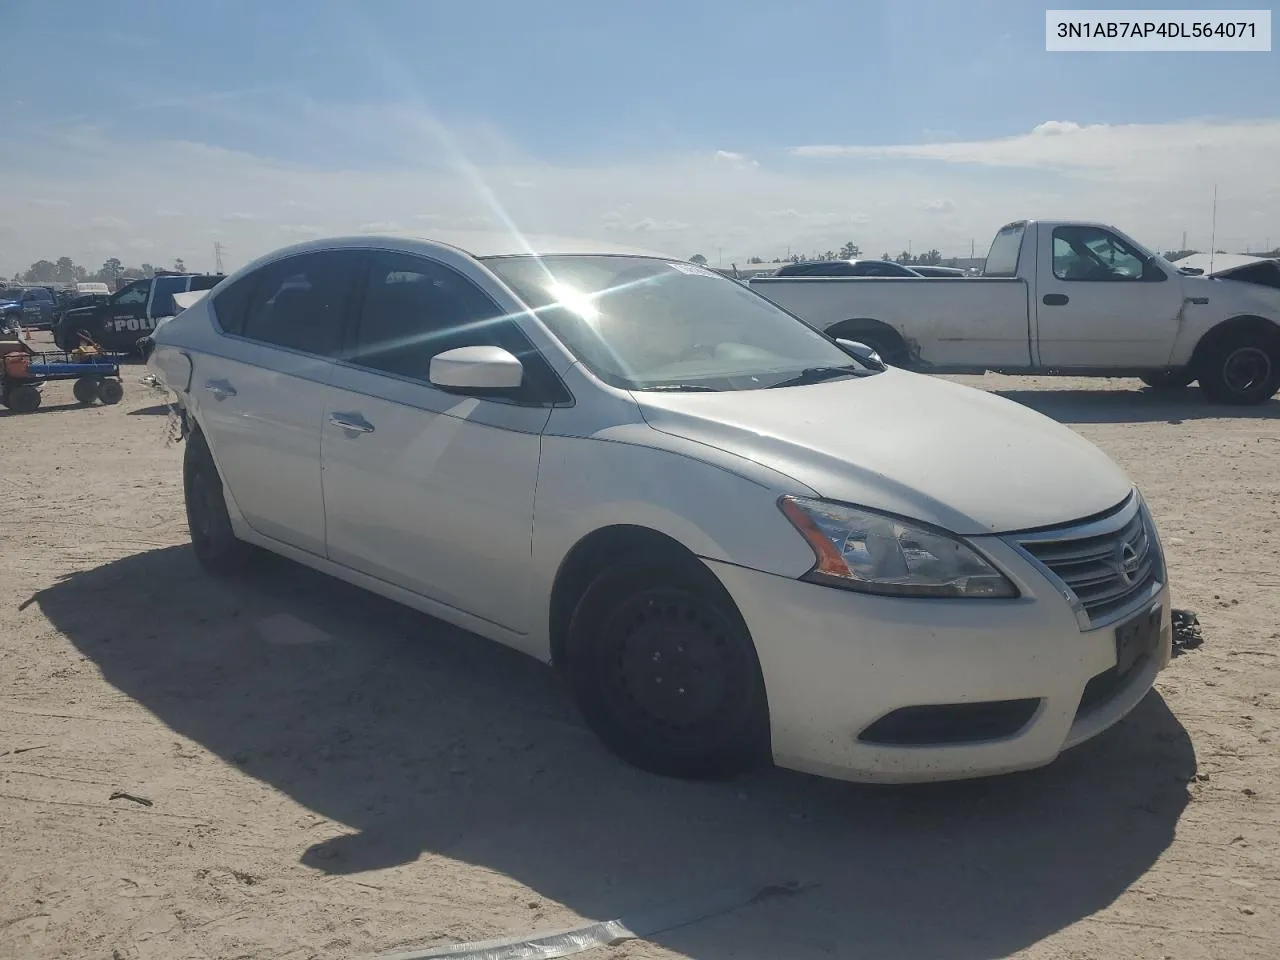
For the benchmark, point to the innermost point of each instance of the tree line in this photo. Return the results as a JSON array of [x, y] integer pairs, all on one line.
[[850, 251], [64, 270]]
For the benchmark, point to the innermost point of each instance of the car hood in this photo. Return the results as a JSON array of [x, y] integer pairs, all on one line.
[[80, 313], [956, 457]]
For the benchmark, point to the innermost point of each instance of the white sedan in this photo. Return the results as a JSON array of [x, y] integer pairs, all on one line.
[[739, 538]]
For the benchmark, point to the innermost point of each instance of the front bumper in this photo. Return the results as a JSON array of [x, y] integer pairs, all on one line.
[[835, 662]]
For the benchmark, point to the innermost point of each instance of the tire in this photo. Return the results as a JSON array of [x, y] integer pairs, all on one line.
[[24, 398], [664, 670], [85, 390], [212, 539], [1242, 369], [1168, 379], [110, 391]]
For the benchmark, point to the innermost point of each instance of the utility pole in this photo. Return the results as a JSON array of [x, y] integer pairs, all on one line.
[[217, 256], [970, 248]]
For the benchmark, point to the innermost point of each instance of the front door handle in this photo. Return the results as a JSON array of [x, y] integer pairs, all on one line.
[[1054, 299], [220, 389], [351, 421]]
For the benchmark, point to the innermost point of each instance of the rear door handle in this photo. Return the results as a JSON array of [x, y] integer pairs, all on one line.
[[1054, 299], [220, 389], [351, 421]]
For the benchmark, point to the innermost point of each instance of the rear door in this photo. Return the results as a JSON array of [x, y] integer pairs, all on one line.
[[261, 398], [1100, 303]]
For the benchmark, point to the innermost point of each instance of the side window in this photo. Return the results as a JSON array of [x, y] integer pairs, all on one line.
[[205, 283], [231, 305], [300, 303], [414, 309], [135, 295], [1089, 253]]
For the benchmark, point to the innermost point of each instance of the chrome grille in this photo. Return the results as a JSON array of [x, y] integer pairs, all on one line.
[[1108, 566]]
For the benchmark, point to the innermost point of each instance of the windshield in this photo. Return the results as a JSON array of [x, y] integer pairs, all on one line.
[[648, 324]]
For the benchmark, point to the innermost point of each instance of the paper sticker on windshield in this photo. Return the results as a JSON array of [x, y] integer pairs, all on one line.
[[693, 270]]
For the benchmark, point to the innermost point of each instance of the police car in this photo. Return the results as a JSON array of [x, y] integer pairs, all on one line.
[[131, 313]]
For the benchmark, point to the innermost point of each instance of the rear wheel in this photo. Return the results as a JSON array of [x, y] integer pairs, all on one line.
[[1242, 368], [110, 391], [664, 670], [85, 390], [212, 538], [24, 398]]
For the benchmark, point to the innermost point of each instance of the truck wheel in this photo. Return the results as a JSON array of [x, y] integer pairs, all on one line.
[[1168, 379], [86, 390], [110, 391], [1242, 369], [24, 398]]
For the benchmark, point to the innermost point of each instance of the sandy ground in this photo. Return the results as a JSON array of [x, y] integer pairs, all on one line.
[[329, 775]]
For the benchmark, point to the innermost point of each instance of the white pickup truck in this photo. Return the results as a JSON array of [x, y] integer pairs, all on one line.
[[1060, 297]]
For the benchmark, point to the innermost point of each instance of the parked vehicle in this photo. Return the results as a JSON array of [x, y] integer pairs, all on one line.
[[129, 314], [845, 268], [941, 273], [733, 534], [1062, 297], [28, 306]]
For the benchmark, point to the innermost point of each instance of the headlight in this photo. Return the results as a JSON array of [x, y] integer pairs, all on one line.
[[875, 553]]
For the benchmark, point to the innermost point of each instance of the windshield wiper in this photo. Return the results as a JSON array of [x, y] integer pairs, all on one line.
[[680, 388], [816, 375]]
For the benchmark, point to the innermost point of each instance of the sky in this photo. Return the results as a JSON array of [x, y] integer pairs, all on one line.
[[150, 131]]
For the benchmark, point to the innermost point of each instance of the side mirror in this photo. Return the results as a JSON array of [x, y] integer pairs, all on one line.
[[477, 369], [860, 351]]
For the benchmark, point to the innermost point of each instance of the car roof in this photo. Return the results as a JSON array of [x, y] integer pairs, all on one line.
[[478, 244]]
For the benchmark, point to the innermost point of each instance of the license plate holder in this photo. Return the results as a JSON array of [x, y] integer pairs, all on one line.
[[1137, 638]]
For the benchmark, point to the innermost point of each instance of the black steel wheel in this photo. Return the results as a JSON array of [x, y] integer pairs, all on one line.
[[665, 672], [86, 390], [24, 398], [212, 537], [110, 391], [1242, 369]]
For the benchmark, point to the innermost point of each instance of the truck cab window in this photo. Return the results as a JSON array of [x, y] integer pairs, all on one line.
[[131, 296], [1089, 253]]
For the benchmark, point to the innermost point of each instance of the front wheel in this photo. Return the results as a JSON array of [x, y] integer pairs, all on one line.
[[664, 670], [1242, 369]]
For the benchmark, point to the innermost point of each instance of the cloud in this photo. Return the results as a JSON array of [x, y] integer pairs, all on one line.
[[141, 243], [42, 202], [1152, 180], [738, 161]]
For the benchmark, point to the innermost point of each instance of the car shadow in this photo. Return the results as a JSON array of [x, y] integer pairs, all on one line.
[[423, 738], [156, 410], [1135, 406], [45, 408]]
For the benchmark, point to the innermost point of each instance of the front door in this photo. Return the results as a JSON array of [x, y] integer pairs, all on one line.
[[425, 489], [1099, 303], [261, 398]]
